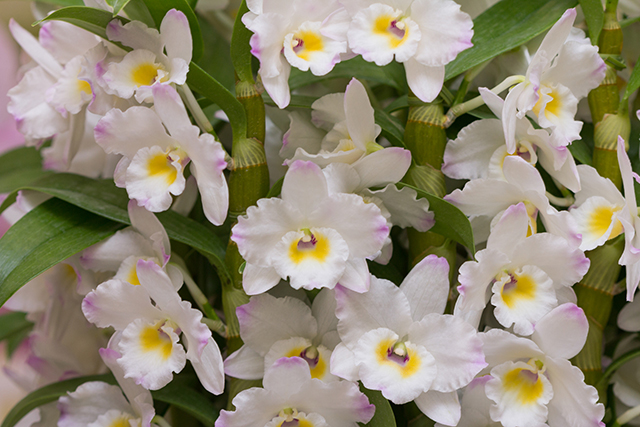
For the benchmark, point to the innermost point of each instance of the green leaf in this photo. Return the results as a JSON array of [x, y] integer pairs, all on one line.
[[64, 2], [47, 394], [92, 20], [137, 11], [383, 416], [594, 15], [505, 26], [19, 167], [391, 75], [159, 8], [189, 400], [45, 236], [13, 323], [276, 189], [103, 198], [634, 82], [581, 152], [450, 221], [216, 59], [391, 128], [117, 5], [240, 48], [200, 81]]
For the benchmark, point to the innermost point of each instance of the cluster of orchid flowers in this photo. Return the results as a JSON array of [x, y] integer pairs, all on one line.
[[317, 321]]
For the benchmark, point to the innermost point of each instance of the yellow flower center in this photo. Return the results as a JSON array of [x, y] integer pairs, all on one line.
[[396, 354], [310, 246], [395, 30]]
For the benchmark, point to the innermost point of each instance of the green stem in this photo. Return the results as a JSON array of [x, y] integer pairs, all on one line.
[[160, 421], [207, 86], [193, 106], [615, 365], [216, 326], [627, 416], [199, 297], [460, 109]]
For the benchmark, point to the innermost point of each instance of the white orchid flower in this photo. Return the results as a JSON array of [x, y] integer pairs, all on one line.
[[563, 70], [527, 275], [96, 403], [153, 163], [532, 380], [315, 238], [272, 328], [425, 35], [146, 239], [602, 213], [350, 130], [52, 97], [396, 340], [480, 149], [306, 34], [147, 65], [147, 333], [485, 199], [292, 397]]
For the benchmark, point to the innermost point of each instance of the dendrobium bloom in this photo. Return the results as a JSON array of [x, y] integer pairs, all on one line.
[[314, 237], [146, 239], [396, 340], [291, 397], [528, 275], [602, 213], [485, 199], [147, 65], [96, 403], [54, 99], [306, 34], [349, 126], [480, 149], [563, 70], [272, 328], [154, 160], [425, 35], [147, 333], [532, 380]]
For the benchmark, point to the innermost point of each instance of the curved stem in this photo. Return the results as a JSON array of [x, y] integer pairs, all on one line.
[[193, 106], [197, 294], [160, 421], [616, 364], [627, 416], [476, 102]]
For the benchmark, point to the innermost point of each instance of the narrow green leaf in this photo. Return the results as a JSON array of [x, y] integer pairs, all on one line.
[[391, 75], [200, 81], [47, 394], [450, 221], [92, 20], [64, 3], [634, 82], [45, 236], [276, 189], [103, 198], [240, 49], [20, 167], [383, 416], [216, 59], [391, 128], [189, 400], [581, 152], [137, 11], [505, 26], [159, 8], [594, 15], [117, 5], [13, 323]]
